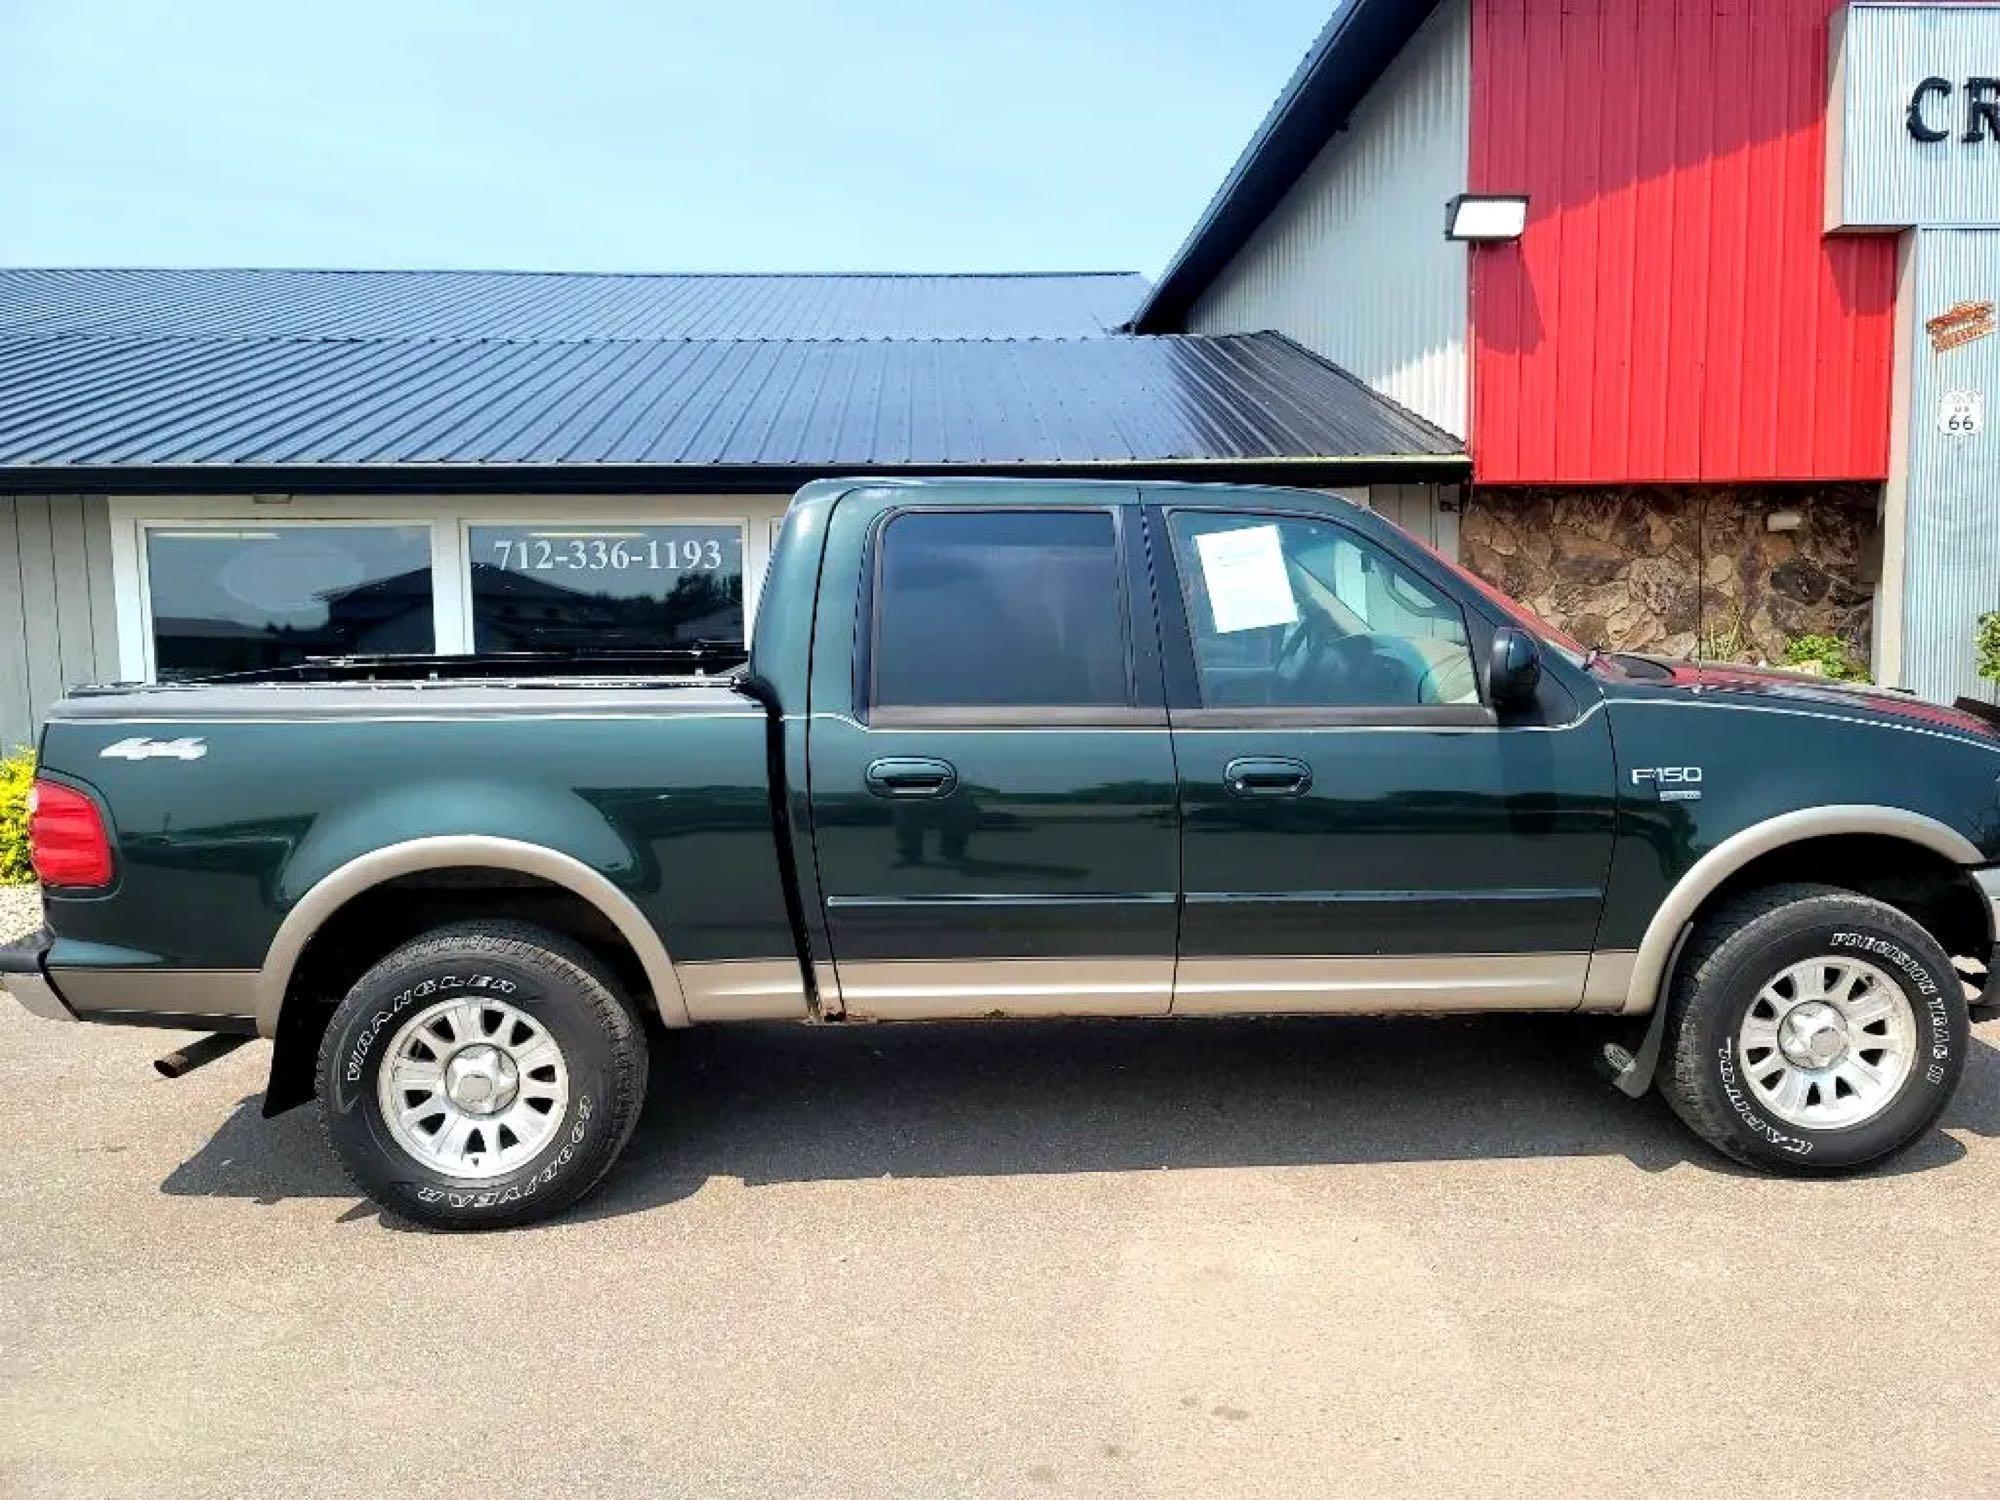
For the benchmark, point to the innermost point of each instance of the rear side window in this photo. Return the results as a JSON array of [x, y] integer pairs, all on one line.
[[999, 609]]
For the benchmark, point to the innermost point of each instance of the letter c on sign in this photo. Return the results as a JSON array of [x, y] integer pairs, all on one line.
[[1920, 128]]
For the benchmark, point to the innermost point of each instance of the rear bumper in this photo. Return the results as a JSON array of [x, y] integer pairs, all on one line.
[[24, 976], [177, 999]]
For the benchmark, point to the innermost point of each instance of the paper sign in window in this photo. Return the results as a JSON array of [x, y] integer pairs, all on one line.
[[1244, 572]]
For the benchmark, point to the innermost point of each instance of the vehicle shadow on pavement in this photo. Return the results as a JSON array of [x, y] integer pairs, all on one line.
[[770, 1104]]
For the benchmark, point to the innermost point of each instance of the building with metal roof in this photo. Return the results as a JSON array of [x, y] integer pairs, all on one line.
[[1707, 291], [1624, 305], [193, 462]]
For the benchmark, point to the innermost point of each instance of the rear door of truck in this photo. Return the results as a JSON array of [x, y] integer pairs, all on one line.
[[992, 774]]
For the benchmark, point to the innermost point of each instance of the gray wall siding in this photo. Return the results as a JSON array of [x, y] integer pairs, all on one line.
[[1429, 512], [58, 623], [1949, 540], [1353, 263]]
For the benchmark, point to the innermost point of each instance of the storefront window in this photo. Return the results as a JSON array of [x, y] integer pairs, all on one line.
[[237, 599], [605, 588]]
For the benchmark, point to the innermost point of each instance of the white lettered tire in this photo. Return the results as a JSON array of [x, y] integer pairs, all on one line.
[[1813, 1030], [486, 1074]]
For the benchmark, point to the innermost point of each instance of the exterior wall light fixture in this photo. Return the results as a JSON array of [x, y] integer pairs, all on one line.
[[1486, 216]]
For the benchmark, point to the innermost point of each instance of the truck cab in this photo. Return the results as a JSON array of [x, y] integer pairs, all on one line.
[[1096, 749]]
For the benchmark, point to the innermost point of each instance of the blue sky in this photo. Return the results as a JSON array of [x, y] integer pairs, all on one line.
[[618, 135]]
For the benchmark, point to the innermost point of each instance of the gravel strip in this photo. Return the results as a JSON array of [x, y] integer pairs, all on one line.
[[20, 911]]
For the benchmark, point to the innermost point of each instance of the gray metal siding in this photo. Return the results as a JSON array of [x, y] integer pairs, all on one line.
[[1421, 510], [1353, 263], [1951, 558], [58, 623], [1879, 175]]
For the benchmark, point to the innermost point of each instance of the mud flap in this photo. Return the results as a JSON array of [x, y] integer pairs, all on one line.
[[295, 1056], [1632, 1072]]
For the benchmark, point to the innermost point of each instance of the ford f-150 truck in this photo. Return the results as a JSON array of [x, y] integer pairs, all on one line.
[[1022, 749]]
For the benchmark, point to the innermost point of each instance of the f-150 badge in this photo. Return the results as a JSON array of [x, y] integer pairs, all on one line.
[[1673, 783], [139, 748]]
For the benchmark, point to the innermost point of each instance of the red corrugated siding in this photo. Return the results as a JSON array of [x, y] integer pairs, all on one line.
[[1674, 312]]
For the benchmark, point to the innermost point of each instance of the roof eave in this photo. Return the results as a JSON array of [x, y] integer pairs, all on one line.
[[461, 478]]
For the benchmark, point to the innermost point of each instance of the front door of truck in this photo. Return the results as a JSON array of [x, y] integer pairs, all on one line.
[[992, 775], [1361, 830]]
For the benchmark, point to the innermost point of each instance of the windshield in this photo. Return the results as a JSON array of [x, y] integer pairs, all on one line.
[[1561, 641]]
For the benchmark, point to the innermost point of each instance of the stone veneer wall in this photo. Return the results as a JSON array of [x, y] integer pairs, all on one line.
[[1682, 569]]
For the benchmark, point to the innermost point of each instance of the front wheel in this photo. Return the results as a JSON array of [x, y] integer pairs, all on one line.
[[1813, 1030], [486, 1074]]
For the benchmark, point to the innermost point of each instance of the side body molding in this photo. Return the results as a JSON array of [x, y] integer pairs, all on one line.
[[1736, 851], [450, 851]]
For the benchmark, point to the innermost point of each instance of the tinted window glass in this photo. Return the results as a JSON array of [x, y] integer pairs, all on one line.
[[1293, 613], [998, 609], [605, 588], [237, 600]]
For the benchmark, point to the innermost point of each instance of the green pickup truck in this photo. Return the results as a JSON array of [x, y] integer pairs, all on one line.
[[1022, 749]]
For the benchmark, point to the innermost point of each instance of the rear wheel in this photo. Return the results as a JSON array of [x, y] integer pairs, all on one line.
[[486, 1074], [1813, 1030]]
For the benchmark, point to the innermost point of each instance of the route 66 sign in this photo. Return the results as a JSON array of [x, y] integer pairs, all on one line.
[[1962, 413]]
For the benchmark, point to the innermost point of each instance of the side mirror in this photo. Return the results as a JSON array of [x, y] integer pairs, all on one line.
[[1514, 668]]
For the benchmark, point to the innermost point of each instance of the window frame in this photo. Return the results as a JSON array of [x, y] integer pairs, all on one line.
[[1135, 711], [446, 517], [1177, 614]]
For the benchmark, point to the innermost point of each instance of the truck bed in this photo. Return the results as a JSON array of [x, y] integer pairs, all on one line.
[[232, 799]]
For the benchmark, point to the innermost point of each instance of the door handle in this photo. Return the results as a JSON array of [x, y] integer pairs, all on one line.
[[1267, 776], [911, 776]]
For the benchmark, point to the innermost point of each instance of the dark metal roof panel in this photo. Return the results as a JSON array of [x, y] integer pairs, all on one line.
[[1360, 40], [560, 307], [67, 401]]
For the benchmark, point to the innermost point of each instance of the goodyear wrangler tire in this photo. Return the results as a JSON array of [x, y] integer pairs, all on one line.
[[484, 1075], [1812, 1030]]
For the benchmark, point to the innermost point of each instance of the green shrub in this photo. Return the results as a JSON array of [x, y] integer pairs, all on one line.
[[1987, 640], [1827, 653], [17, 775]]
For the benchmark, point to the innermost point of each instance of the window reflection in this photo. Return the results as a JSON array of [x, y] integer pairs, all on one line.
[[1000, 609], [238, 600], [608, 588]]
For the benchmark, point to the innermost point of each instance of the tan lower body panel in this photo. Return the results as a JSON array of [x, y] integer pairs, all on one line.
[[756, 989], [928, 989], [219, 994], [940, 990], [1380, 986], [826, 981], [1610, 980]]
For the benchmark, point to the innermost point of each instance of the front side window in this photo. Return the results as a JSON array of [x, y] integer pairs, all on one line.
[[1289, 612], [1007, 609], [605, 588], [228, 599]]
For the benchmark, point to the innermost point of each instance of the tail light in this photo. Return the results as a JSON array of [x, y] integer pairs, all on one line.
[[67, 843]]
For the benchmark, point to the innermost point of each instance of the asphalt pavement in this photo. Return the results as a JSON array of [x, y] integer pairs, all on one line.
[[1198, 1258]]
